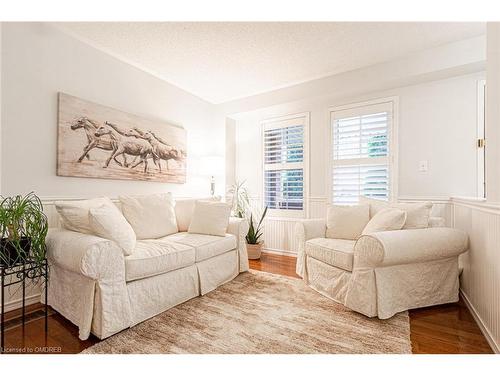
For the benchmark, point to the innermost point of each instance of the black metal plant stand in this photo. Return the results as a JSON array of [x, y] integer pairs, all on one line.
[[19, 272]]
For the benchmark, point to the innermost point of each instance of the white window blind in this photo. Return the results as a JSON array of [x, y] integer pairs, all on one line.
[[361, 153], [284, 163]]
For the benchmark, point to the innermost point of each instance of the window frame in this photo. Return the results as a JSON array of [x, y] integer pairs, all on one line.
[[362, 108], [265, 123]]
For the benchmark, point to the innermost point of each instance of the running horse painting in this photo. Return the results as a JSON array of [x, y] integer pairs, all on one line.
[[95, 141]]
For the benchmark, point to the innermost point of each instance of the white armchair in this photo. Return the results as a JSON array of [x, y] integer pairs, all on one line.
[[382, 273]]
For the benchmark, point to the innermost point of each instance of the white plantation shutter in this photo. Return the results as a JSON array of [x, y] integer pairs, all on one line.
[[284, 163], [361, 153]]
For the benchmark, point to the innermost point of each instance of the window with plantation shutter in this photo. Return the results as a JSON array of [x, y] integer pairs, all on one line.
[[284, 160], [361, 152]]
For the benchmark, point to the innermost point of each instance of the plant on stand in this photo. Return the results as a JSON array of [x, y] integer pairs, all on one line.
[[254, 243], [23, 228]]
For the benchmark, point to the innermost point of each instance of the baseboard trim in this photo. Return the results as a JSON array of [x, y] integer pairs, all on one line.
[[18, 303], [280, 252], [487, 334]]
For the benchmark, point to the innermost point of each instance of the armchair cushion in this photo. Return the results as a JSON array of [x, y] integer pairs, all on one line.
[[335, 252], [347, 222], [386, 219], [384, 249], [417, 213]]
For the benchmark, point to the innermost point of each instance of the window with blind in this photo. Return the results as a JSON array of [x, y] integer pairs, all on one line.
[[284, 160], [361, 150]]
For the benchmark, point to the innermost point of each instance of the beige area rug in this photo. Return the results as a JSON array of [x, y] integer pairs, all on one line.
[[261, 313]]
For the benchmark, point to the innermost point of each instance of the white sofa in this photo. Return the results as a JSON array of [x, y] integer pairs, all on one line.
[[382, 273], [98, 288]]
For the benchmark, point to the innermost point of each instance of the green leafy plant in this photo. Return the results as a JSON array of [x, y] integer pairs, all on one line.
[[255, 232], [23, 228], [240, 199]]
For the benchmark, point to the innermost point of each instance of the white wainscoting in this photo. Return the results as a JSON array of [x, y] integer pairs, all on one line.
[[480, 280]]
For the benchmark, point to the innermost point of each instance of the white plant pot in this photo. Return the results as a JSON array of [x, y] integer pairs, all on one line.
[[254, 251]]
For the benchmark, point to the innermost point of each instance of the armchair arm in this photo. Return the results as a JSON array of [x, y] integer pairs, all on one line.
[[91, 256], [305, 230], [389, 248], [239, 228]]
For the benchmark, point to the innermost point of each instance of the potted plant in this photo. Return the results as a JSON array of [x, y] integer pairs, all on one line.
[[23, 228], [254, 244], [240, 200]]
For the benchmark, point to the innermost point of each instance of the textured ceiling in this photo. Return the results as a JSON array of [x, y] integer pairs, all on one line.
[[224, 61]]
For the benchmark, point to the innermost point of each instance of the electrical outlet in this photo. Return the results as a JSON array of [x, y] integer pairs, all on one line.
[[422, 166]]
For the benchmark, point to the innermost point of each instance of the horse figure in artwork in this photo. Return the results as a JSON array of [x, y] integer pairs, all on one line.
[[161, 148], [124, 144], [90, 127]]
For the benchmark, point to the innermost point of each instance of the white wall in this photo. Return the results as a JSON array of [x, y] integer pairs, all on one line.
[[437, 123], [480, 279], [38, 61]]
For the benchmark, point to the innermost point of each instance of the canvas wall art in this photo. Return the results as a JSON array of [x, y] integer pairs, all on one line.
[[100, 142]]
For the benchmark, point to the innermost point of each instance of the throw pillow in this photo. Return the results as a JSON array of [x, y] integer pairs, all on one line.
[[75, 214], [210, 218], [376, 205], [417, 214], [184, 211], [151, 216], [346, 222], [386, 219], [108, 222]]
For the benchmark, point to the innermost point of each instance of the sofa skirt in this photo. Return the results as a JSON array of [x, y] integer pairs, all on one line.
[[330, 281], [153, 295]]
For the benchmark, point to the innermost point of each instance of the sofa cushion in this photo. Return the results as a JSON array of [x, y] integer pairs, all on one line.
[[205, 246], [153, 257], [335, 252], [184, 210], [151, 216], [75, 214], [211, 218], [108, 222]]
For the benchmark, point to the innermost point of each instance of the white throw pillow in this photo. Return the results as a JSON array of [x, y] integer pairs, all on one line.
[[151, 216], [417, 213], [376, 205], [75, 214], [184, 210], [210, 218], [386, 219], [108, 222], [346, 222]]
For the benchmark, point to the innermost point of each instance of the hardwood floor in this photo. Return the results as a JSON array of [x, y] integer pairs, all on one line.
[[442, 329]]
